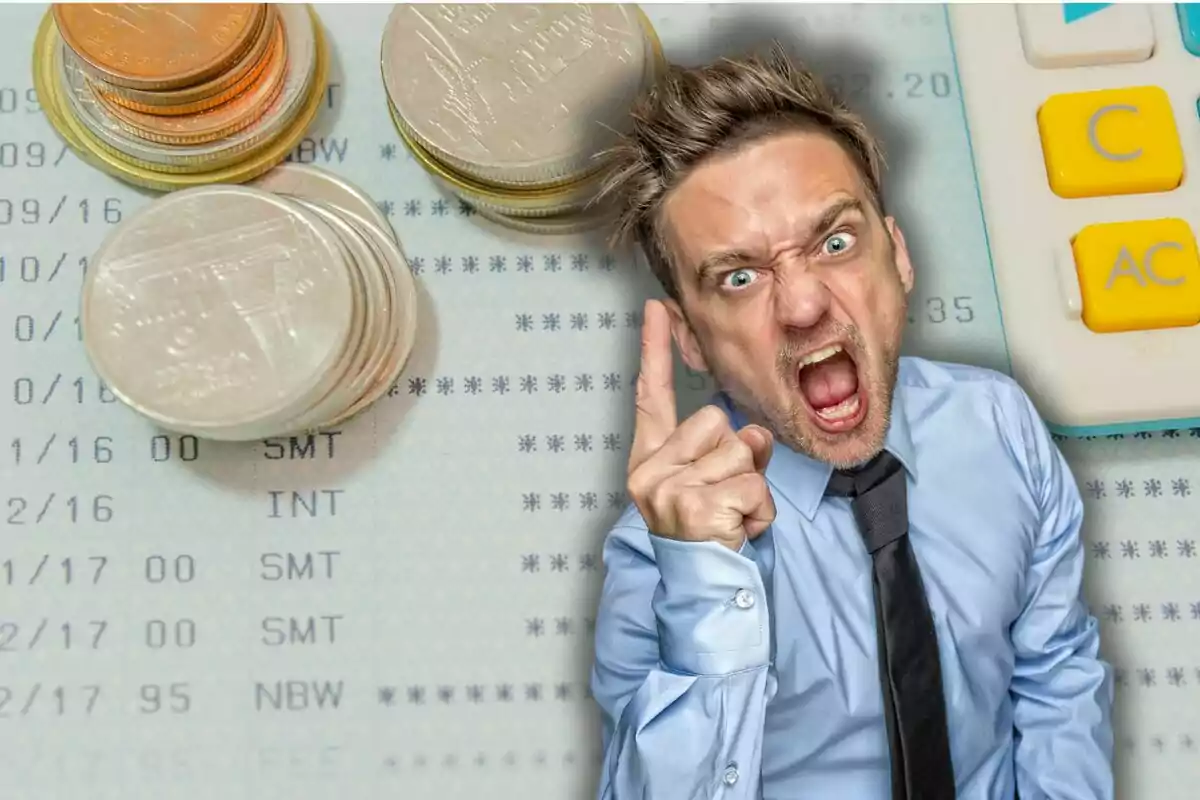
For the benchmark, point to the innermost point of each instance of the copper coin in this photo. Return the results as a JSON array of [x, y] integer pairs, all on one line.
[[158, 45], [201, 96], [215, 123]]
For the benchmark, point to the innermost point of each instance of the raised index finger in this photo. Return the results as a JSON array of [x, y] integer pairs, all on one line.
[[655, 419]]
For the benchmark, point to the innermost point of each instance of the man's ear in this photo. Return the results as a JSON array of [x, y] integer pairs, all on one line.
[[903, 263], [685, 337]]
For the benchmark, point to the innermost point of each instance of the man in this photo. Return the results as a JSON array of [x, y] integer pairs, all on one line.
[[855, 575]]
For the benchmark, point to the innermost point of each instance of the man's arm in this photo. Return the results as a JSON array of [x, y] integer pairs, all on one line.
[[680, 673], [1061, 689]]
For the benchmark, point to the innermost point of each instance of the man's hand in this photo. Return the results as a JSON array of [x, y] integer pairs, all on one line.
[[699, 480]]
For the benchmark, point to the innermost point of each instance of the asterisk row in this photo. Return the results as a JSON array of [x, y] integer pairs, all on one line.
[[555, 321], [1160, 743], [1151, 677], [508, 760], [477, 385], [1126, 488], [416, 207], [1156, 548], [538, 627], [474, 264], [1157, 743], [559, 562], [564, 443], [1174, 433], [477, 693], [565, 501], [1170, 611]]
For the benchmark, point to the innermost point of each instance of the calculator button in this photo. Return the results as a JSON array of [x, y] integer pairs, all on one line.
[[1109, 142], [1138, 275], [1056, 35], [1189, 26]]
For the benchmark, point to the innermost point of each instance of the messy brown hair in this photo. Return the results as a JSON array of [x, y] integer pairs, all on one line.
[[694, 113]]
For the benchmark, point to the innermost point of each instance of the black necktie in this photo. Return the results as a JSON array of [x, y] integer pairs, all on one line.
[[909, 670]]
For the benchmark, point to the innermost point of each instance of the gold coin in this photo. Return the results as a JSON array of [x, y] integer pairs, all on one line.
[[216, 123], [45, 87], [158, 45], [92, 151], [80, 103], [202, 96]]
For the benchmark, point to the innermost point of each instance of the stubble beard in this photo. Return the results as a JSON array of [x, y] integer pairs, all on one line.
[[790, 421]]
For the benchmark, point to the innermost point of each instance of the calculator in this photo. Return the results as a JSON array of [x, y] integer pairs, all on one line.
[[1084, 124]]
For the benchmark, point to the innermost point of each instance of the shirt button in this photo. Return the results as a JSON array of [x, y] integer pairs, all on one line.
[[744, 598], [731, 775]]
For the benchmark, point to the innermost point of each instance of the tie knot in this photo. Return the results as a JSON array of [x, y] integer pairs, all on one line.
[[859, 480]]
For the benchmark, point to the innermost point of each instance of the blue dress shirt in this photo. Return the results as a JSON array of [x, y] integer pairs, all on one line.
[[729, 675]]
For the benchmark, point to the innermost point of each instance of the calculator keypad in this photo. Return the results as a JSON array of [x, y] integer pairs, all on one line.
[[1110, 142], [1189, 26], [1138, 275], [1064, 35], [1133, 275]]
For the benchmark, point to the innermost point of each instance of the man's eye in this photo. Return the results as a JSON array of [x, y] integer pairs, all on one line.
[[838, 243], [739, 278]]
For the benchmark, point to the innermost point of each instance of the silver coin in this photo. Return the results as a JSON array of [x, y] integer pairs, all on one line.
[[555, 225], [551, 206], [312, 183], [301, 43], [403, 324], [217, 309], [517, 92], [365, 350]]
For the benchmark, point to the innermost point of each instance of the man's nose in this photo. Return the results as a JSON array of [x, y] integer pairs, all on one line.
[[801, 299]]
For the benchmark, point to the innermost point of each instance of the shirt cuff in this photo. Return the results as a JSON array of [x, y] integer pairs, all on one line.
[[711, 608]]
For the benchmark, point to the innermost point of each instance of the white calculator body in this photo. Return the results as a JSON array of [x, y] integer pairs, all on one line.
[[1084, 125]]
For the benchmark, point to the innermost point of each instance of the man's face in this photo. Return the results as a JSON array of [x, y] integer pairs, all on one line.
[[793, 292]]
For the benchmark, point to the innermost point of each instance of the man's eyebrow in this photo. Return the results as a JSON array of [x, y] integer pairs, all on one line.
[[724, 259], [715, 262], [831, 215]]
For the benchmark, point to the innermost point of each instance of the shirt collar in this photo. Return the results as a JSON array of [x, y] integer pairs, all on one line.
[[802, 480]]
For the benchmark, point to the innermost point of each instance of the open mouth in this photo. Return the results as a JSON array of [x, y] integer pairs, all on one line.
[[829, 383]]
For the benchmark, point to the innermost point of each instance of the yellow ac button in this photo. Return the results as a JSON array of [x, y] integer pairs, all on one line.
[[1138, 275], [1110, 142]]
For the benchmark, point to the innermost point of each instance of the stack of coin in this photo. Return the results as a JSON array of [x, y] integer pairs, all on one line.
[[510, 106], [239, 313], [171, 95]]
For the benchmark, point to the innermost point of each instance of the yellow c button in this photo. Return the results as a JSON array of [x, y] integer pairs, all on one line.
[[1109, 142], [1138, 275]]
